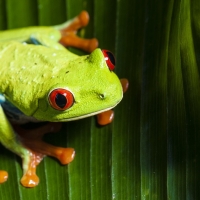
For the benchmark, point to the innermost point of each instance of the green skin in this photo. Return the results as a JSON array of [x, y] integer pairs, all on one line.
[[30, 72]]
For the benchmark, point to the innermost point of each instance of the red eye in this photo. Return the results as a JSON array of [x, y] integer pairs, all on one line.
[[110, 59], [61, 99]]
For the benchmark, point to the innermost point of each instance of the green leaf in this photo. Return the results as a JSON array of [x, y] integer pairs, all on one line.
[[151, 150]]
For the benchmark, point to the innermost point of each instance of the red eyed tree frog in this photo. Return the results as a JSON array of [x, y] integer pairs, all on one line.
[[46, 82]]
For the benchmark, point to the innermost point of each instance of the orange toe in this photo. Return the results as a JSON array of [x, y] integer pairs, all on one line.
[[30, 180], [66, 156], [3, 176], [105, 118], [83, 18], [125, 84]]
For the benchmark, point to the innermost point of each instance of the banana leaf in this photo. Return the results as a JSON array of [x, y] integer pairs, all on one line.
[[151, 150]]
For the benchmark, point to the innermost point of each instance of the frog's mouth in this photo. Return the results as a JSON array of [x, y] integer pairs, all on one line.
[[87, 115]]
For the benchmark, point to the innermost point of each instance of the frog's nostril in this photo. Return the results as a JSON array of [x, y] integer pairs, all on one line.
[[101, 96]]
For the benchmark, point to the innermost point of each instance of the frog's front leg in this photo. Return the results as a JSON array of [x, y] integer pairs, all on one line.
[[68, 33], [10, 140]]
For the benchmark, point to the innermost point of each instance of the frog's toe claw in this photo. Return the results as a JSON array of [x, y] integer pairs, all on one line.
[[3, 176], [30, 180]]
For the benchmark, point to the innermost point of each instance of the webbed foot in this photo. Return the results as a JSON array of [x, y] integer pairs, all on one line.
[[69, 37], [32, 140], [30, 179]]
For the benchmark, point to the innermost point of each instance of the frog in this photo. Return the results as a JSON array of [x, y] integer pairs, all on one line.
[[41, 80]]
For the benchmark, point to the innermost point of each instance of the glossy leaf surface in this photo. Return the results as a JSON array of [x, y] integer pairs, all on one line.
[[151, 150]]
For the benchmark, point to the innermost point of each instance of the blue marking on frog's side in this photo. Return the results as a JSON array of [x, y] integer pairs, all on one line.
[[2, 98], [13, 113]]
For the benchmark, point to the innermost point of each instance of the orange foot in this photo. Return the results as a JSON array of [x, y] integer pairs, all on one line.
[[69, 30], [107, 117], [30, 179], [32, 139]]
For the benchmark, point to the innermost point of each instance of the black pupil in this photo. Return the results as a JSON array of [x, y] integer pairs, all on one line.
[[61, 100], [111, 57]]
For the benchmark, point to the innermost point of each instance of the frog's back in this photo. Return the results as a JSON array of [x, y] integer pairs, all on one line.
[[22, 63], [23, 34], [27, 68]]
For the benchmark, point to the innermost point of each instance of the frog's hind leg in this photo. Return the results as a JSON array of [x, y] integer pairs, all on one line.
[[32, 139], [11, 141], [29, 178], [37, 149], [68, 33]]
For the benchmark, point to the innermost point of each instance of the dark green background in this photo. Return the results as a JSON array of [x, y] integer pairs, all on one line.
[[152, 150]]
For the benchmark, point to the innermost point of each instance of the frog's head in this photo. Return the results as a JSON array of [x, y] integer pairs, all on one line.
[[85, 87]]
